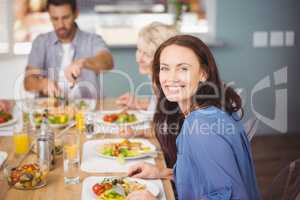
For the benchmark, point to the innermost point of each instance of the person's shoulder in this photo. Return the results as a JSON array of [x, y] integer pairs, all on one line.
[[211, 120], [44, 36], [85, 33], [43, 41], [89, 35], [210, 112], [200, 117]]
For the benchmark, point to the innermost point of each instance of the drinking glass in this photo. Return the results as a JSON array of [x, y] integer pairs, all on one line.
[[79, 118], [21, 140], [71, 157], [89, 124]]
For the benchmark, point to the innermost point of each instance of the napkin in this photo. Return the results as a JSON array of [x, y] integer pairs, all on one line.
[[6, 131]]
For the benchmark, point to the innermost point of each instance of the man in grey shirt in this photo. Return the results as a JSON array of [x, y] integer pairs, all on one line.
[[66, 57]]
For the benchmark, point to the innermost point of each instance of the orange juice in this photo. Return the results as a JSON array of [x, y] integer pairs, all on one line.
[[71, 151], [21, 141], [79, 117], [71, 156]]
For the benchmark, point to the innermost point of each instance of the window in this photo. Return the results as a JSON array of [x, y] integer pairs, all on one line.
[[4, 24], [109, 18], [30, 20]]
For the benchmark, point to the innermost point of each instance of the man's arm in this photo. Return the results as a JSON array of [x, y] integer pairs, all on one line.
[[35, 82], [102, 61]]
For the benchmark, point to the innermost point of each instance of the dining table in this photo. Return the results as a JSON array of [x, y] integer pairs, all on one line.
[[56, 188]]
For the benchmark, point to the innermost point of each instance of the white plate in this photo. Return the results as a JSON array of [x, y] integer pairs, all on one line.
[[90, 104], [141, 118], [88, 194], [109, 141], [59, 126], [3, 156], [9, 122]]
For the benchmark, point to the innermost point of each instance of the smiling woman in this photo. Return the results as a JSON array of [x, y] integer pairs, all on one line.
[[213, 153], [176, 72]]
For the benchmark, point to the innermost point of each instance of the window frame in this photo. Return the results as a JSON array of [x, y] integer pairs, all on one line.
[[209, 36], [9, 26]]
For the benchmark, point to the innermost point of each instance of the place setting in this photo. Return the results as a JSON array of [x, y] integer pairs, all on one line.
[[116, 155], [81, 148], [112, 121], [7, 120]]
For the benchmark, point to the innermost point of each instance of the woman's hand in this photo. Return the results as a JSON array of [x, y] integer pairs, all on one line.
[[132, 102], [5, 106], [127, 100], [141, 195], [144, 170]]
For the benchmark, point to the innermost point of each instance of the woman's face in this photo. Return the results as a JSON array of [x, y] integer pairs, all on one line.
[[180, 73], [143, 58]]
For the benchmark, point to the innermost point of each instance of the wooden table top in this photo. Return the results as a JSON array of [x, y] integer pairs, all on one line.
[[56, 189]]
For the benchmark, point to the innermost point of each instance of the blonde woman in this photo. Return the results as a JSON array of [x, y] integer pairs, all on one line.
[[149, 39]]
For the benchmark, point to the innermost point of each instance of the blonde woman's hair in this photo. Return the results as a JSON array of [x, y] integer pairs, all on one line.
[[155, 34]]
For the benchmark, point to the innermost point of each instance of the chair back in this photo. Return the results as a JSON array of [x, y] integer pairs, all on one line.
[[286, 185], [251, 127]]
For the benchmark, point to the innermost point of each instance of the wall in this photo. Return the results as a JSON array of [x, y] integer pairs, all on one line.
[[245, 65], [11, 69], [126, 72], [238, 60]]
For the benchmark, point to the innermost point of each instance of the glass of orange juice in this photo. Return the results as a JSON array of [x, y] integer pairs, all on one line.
[[79, 118], [21, 140], [71, 157]]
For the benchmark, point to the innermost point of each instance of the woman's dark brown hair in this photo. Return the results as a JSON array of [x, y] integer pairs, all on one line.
[[168, 117]]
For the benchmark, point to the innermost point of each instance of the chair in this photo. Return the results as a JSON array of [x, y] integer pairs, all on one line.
[[286, 185], [251, 127]]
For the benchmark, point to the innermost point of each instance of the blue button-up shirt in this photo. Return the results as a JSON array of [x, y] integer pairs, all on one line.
[[214, 158], [47, 52]]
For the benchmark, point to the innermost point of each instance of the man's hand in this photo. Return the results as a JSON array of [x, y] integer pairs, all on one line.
[[74, 70], [141, 195], [50, 88]]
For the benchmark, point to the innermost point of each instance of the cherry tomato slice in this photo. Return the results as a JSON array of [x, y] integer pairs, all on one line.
[[97, 189]]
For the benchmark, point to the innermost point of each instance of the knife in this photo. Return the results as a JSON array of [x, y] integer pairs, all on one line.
[[75, 78]]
